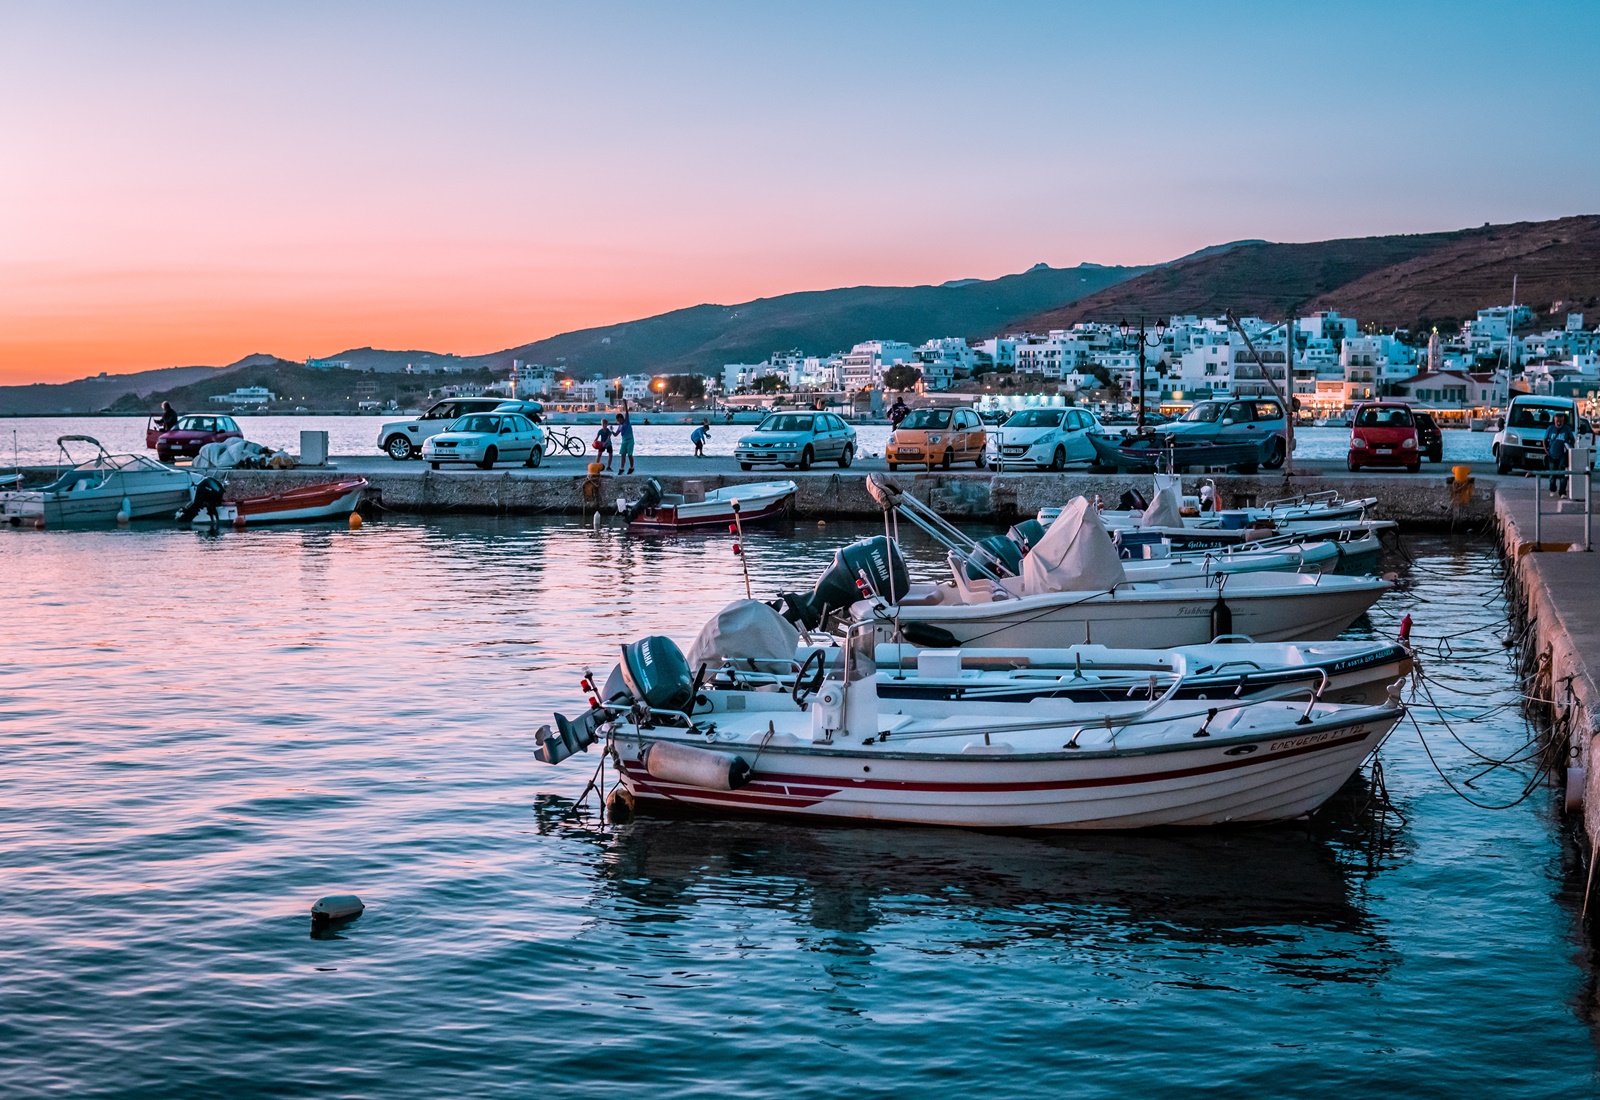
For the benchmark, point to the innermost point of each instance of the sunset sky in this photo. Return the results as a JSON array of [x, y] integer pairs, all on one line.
[[191, 183]]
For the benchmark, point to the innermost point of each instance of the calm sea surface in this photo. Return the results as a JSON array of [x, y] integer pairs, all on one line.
[[201, 734], [32, 440]]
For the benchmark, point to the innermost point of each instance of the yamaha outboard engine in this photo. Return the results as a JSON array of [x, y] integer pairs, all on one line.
[[649, 498], [657, 673], [1027, 534], [1132, 500], [861, 570], [207, 495], [998, 554]]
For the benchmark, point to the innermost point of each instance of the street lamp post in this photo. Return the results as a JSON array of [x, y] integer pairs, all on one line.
[[1127, 330]]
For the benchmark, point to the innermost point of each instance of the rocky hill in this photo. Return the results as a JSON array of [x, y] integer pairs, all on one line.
[[1401, 281]]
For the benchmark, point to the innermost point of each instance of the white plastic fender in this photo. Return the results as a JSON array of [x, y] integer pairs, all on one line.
[[717, 771]]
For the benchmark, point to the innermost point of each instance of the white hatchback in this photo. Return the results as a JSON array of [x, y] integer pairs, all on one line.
[[1044, 439], [484, 439]]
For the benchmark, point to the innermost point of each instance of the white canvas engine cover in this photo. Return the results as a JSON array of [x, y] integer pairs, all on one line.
[[1166, 510], [745, 629], [1075, 555]]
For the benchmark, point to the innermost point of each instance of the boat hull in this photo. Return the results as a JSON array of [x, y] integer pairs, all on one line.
[[1228, 780], [311, 504]]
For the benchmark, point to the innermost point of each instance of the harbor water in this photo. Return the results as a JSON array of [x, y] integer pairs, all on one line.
[[31, 441], [201, 734]]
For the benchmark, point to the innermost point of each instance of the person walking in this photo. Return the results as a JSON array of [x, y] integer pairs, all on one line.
[[699, 436], [602, 442], [1557, 442], [625, 437], [897, 413]]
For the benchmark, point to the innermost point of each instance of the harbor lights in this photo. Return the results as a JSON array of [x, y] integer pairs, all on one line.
[[1127, 331]]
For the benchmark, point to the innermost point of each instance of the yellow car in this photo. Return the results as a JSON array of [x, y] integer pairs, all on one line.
[[938, 437]]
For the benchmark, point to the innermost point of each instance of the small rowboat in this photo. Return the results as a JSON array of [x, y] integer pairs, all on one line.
[[306, 504], [758, 501]]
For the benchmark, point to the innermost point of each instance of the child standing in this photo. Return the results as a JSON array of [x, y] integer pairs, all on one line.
[[602, 442], [699, 436]]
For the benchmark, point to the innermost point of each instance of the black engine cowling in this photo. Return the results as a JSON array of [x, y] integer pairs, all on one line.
[[998, 554], [878, 558], [657, 673], [649, 499]]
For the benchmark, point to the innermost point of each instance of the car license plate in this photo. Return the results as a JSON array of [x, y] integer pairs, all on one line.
[[1386, 450]]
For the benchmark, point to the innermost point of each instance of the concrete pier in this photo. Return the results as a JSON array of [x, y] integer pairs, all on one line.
[[1555, 588], [562, 486]]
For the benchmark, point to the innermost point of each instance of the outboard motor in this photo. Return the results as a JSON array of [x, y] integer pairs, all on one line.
[[842, 585], [657, 673], [649, 499], [1027, 534], [207, 495], [1132, 500], [998, 554]]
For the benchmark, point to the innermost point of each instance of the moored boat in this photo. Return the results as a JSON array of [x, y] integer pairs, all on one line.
[[753, 502], [99, 490], [303, 504]]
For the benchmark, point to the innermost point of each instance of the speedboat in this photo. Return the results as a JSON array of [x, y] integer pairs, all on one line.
[[758, 501], [101, 490], [833, 747]]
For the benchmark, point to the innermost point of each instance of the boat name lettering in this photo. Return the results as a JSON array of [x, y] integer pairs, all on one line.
[[1310, 739]]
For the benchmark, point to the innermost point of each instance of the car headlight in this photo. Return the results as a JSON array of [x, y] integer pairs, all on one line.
[[1513, 437], [933, 439], [1409, 442], [1358, 444]]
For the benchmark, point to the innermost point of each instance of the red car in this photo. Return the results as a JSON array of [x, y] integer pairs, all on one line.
[[194, 432], [1384, 433]]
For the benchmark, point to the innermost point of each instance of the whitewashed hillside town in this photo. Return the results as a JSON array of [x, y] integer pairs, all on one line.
[[1503, 350]]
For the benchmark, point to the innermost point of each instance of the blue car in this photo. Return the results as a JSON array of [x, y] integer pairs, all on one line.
[[1236, 420], [797, 439]]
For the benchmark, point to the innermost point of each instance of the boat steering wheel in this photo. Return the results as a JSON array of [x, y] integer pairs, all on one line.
[[803, 691]]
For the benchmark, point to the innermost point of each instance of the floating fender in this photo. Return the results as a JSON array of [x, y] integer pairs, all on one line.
[[1221, 618], [1574, 799], [692, 767], [336, 909], [928, 636]]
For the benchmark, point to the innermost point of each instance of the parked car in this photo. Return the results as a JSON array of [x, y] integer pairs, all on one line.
[[1045, 439], [1430, 439], [1519, 444], [1384, 433], [533, 410], [403, 439], [797, 439], [1236, 420], [929, 437], [194, 432], [485, 439]]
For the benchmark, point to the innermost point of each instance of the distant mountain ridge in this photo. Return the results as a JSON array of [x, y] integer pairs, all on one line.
[[1407, 281]]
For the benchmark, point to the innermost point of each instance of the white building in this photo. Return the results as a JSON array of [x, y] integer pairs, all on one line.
[[245, 395], [944, 360], [864, 364], [532, 379]]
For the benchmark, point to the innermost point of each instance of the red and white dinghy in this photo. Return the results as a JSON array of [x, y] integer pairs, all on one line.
[[758, 501], [306, 504]]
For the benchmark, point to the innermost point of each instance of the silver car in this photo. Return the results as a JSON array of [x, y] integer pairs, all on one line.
[[486, 438], [797, 439]]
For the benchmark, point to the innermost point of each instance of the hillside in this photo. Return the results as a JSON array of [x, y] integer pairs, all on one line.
[[1404, 281], [295, 384], [703, 338]]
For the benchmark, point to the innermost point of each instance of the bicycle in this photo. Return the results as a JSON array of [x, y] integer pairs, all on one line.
[[559, 439]]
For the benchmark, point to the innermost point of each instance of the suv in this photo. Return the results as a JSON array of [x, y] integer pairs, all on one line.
[[1520, 443], [403, 439], [1430, 440], [1384, 433]]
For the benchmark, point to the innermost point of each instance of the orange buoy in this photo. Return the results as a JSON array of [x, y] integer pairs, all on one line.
[[355, 521]]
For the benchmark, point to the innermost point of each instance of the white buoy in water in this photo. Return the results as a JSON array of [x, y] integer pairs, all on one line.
[[335, 908], [596, 524]]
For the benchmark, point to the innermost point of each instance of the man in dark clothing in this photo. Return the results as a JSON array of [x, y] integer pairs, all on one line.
[[168, 418], [898, 412], [1557, 442]]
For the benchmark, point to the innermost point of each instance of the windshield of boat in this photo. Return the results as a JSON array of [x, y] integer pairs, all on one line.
[[480, 423], [1035, 418], [786, 422], [1383, 416], [927, 418], [1525, 415], [1207, 412]]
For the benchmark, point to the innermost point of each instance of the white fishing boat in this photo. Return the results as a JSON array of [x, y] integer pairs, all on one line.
[[753, 502], [99, 490], [844, 752]]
